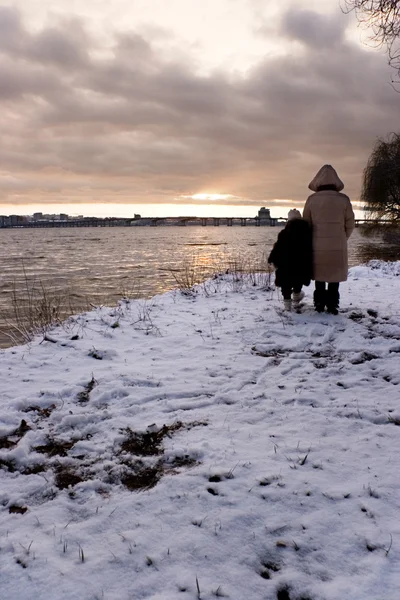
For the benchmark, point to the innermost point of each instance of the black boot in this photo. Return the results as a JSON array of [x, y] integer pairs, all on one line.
[[332, 299], [319, 300]]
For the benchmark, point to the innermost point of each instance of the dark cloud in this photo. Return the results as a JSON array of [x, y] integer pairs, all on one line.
[[64, 46], [314, 29], [20, 80], [11, 30], [132, 118]]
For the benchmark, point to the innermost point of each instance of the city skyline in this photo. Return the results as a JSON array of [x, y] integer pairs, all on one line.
[[165, 210], [224, 106]]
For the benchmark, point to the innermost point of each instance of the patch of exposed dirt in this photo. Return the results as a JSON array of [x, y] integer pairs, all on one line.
[[12, 439], [183, 461], [8, 465], [55, 447], [148, 443], [83, 396], [319, 364], [142, 444], [141, 477], [283, 594], [66, 477], [133, 472], [356, 315], [17, 510], [6, 443], [44, 413], [268, 353], [34, 469]]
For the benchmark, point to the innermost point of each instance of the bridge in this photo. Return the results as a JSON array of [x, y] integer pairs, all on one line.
[[149, 221], [206, 221], [164, 221], [230, 221]]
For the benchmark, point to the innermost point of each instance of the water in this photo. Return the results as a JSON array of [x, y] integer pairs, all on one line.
[[101, 265]]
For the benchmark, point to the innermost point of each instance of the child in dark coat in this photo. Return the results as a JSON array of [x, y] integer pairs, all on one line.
[[292, 259]]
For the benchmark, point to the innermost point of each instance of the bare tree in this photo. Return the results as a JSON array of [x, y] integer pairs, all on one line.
[[383, 18], [381, 180]]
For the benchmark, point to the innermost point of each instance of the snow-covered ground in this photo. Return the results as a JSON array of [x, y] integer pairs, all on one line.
[[207, 445]]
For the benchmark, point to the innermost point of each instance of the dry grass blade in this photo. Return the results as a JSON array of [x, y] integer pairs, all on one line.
[[35, 308]]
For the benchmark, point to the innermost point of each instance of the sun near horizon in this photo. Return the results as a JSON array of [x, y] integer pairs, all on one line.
[[209, 196]]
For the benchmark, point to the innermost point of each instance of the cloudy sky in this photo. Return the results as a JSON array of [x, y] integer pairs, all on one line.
[[110, 105]]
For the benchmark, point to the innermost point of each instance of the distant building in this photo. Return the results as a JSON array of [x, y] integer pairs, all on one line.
[[37, 216], [264, 217], [264, 213], [17, 220]]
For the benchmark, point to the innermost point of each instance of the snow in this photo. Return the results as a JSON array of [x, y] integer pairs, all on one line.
[[275, 476]]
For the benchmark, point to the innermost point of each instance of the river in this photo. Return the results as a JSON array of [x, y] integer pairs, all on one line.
[[100, 265]]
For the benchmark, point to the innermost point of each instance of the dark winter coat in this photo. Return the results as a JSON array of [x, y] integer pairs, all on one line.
[[292, 255]]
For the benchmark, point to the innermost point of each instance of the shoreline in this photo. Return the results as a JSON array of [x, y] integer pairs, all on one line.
[[101, 267]]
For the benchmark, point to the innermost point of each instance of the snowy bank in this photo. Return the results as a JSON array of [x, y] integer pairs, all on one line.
[[205, 445]]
